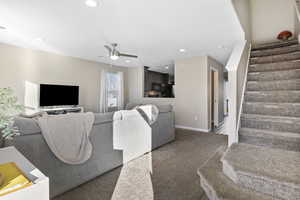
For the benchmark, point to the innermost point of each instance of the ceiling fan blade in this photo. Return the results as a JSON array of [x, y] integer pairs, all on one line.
[[128, 55], [108, 48], [103, 56]]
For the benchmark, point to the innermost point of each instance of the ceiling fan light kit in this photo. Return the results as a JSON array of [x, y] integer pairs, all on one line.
[[114, 57], [114, 54]]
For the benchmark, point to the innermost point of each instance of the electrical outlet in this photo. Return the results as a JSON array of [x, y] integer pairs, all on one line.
[[196, 118]]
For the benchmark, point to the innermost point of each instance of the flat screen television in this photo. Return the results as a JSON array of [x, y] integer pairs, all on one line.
[[59, 95]]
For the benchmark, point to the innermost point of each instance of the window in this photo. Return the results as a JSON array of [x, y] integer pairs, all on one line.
[[112, 91]]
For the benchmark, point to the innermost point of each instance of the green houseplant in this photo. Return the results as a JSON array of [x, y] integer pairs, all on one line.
[[9, 108]]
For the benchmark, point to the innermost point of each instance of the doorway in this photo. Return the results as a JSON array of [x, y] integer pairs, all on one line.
[[214, 93]]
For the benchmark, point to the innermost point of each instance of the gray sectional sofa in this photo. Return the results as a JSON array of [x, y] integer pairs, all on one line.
[[64, 177]]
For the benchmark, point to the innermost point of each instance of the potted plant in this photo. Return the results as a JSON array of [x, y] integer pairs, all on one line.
[[9, 108]]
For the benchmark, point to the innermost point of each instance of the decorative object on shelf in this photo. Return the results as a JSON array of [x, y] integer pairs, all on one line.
[[285, 35], [9, 108], [14, 180]]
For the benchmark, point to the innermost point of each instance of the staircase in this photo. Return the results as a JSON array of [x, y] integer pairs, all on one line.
[[266, 162]]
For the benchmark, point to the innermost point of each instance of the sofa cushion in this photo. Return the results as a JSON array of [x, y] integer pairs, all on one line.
[[27, 126]]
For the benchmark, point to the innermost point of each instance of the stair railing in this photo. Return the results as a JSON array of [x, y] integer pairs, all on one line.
[[237, 68]]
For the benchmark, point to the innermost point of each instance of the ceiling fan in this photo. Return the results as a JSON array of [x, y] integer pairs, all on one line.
[[114, 54]]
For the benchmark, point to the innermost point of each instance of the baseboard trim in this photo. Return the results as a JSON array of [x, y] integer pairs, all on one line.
[[193, 129]]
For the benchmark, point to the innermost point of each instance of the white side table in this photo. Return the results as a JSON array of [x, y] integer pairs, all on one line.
[[39, 190]]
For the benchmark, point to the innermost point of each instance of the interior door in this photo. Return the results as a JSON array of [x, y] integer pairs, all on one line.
[[216, 98]]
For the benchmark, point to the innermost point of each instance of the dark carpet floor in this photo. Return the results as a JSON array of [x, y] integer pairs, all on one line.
[[168, 173]]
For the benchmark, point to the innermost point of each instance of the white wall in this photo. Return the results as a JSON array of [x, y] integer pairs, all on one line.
[[193, 92], [297, 17], [191, 105], [270, 17], [243, 11], [18, 65]]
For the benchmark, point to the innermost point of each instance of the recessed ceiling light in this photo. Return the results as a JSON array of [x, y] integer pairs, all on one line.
[[39, 40], [128, 61], [182, 50], [91, 3], [2, 27]]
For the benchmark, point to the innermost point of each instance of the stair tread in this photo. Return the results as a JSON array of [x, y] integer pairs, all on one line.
[[277, 55], [264, 64], [220, 186], [273, 45], [271, 118], [275, 51], [282, 80], [268, 133], [277, 164], [272, 103], [276, 91], [274, 71], [275, 48]]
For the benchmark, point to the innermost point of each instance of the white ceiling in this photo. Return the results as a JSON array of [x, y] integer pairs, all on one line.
[[155, 30]]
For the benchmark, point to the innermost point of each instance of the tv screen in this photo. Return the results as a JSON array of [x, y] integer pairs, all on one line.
[[58, 95]]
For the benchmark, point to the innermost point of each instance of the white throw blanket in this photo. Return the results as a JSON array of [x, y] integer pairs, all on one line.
[[68, 136], [132, 132]]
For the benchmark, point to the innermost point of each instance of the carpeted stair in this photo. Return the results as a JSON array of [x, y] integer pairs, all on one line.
[[266, 162], [271, 110]]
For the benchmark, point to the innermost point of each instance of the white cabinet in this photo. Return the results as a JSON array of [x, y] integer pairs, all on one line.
[[39, 190]]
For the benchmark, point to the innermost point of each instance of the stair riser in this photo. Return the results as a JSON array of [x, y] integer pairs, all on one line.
[[270, 52], [277, 58], [273, 110], [274, 45], [273, 85], [275, 66], [271, 187], [276, 97], [280, 126], [276, 143], [273, 76], [210, 193]]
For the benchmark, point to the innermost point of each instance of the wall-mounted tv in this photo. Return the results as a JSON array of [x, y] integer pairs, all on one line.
[[59, 95]]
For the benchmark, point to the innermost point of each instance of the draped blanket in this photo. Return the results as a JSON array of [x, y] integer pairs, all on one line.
[[68, 136]]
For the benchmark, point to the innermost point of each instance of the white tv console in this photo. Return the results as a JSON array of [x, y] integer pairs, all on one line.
[[62, 110], [52, 110]]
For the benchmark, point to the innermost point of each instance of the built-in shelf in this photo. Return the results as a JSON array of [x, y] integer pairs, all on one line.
[[40, 188]]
